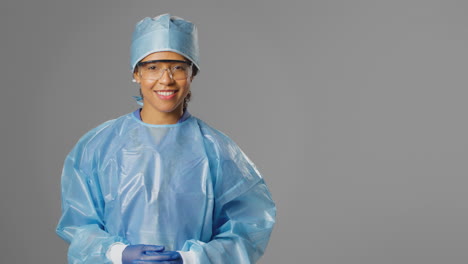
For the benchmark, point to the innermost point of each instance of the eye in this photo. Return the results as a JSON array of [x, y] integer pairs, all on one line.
[[179, 67], [152, 67]]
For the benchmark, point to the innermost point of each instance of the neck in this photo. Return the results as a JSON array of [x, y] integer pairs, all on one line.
[[160, 118]]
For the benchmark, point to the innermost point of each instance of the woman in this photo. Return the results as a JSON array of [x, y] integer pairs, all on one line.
[[159, 185]]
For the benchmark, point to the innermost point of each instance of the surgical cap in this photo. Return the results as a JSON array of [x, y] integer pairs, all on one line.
[[164, 33]]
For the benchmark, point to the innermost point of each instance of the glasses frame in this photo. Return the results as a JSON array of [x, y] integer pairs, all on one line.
[[141, 63]]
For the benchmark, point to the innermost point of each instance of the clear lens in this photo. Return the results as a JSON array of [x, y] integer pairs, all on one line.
[[153, 70]]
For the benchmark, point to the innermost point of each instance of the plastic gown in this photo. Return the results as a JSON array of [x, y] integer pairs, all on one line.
[[185, 186]]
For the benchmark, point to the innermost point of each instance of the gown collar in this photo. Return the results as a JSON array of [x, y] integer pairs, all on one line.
[[184, 116]]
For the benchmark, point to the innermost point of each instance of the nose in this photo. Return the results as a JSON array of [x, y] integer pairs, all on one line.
[[166, 78]]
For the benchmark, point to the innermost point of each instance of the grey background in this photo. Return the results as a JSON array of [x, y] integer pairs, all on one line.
[[354, 112]]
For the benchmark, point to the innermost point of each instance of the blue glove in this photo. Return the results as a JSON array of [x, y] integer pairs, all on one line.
[[166, 257], [149, 254]]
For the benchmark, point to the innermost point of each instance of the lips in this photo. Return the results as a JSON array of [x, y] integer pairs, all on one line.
[[166, 94]]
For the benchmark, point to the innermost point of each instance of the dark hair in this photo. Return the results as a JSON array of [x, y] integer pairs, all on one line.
[[194, 70]]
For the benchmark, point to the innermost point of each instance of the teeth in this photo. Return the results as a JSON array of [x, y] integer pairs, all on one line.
[[165, 93]]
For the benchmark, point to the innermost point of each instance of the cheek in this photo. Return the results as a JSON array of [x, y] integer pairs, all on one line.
[[186, 86], [145, 85], [186, 91]]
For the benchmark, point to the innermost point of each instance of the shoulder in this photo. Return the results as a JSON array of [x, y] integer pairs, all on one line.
[[212, 134], [234, 173], [101, 134], [218, 141]]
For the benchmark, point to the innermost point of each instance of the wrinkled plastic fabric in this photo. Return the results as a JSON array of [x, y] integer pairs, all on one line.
[[164, 33], [184, 186]]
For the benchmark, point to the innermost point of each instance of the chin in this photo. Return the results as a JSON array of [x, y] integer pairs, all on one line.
[[168, 110]]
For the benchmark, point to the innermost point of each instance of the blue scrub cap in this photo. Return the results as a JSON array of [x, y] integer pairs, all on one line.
[[164, 33]]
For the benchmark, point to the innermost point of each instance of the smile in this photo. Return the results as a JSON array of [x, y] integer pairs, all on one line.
[[165, 94]]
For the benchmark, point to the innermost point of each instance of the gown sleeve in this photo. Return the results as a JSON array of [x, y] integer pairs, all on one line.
[[244, 213], [81, 223]]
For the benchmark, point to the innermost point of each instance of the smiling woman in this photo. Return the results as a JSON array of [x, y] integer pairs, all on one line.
[[163, 87], [159, 185]]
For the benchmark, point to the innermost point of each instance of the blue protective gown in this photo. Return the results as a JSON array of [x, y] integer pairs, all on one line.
[[185, 186]]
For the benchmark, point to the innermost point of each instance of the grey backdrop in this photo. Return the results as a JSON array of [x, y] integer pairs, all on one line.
[[354, 112]]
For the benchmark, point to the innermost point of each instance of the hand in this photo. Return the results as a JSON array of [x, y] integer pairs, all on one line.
[[166, 257], [134, 253]]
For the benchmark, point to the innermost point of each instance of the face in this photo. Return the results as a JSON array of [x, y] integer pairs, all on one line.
[[163, 96]]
